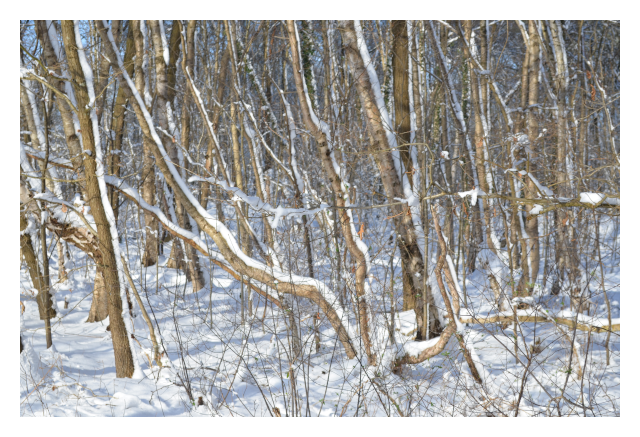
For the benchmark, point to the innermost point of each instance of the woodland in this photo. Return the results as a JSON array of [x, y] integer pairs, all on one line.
[[320, 218]]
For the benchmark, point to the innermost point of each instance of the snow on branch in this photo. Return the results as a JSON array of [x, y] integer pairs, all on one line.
[[258, 205], [474, 193], [593, 325], [189, 237], [584, 200]]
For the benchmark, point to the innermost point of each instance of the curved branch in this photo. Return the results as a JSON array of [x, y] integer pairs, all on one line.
[[187, 236]]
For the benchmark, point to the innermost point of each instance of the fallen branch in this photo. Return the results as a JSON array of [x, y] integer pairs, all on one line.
[[538, 319]]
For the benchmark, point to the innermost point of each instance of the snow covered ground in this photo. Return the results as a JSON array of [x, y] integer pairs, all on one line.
[[235, 369]]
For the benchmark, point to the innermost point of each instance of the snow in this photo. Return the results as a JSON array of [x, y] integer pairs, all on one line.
[[76, 215], [247, 367], [215, 371], [454, 276], [414, 348], [35, 182], [406, 323], [597, 198], [165, 46], [545, 191], [537, 209], [256, 204], [41, 155], [600, 322], [473, 193]]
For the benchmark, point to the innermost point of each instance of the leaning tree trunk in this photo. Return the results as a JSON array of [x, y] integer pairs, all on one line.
[[122, 350], [413, 265], [45, 308], [325, 150]]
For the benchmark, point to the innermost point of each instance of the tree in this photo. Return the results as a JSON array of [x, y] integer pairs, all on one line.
[[484, 152]]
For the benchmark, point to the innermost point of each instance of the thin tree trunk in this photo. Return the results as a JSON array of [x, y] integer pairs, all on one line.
[[193, 271], [148, 176], [45, 309], [565, 248], [342, 195], [46, 32], [402, 119], [145, 315], [118, 125], [531, 224], [204, 187], [62, 271]]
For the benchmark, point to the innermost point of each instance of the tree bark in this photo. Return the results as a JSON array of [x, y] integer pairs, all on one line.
[[45, 309], [531, 224], [402, 119], [568, 263], [413, 265], [100, 302], [147, 173], [118, 125], [119, 336]]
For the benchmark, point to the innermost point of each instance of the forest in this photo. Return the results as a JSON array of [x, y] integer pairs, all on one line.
[[334, 218]]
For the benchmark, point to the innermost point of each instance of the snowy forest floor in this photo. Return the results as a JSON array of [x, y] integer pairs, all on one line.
[[235, 369]]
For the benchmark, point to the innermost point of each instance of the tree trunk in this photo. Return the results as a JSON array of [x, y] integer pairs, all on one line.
[[412, 262], [568, 263], [531, 224], [117, 124], [194, 274], [400, 63], [45, 309], [147, 175], [100, 302], [119, 336], [342, 195]]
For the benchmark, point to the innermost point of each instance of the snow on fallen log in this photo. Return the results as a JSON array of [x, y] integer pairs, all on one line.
[[415, 352], [597, 325]]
